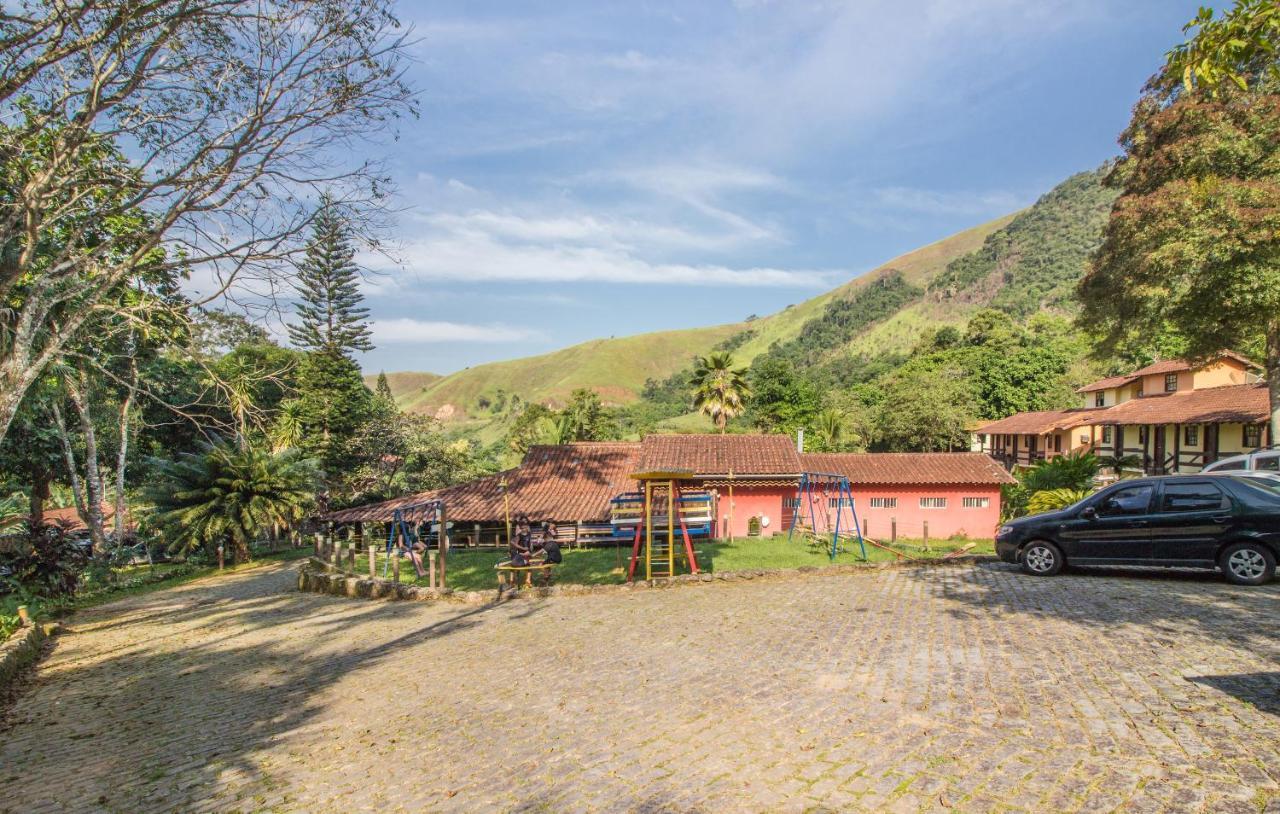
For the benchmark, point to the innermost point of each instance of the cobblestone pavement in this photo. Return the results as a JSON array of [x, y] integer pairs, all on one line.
[[962, 688]]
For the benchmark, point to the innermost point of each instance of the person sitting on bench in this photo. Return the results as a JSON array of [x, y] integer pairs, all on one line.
[[521, 541], [549, 546]]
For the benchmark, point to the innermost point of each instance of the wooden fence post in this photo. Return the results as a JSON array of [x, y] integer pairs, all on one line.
[[395, 565], [476, 537], [442, 543], [351, 558], [866, 527], [373, 562], [926, 535], [319, 546], [893, 529]]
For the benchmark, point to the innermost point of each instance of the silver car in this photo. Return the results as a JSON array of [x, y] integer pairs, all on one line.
[[1264, 460]]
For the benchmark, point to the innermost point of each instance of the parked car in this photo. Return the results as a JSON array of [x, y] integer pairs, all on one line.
[[1228, 522], [1266, 460]]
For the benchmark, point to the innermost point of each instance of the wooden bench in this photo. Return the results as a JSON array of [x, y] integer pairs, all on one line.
[[510, 574]]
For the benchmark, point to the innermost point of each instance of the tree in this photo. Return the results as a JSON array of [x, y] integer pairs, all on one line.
[[332, 407], [536, 424], [583, 418], [925, 411], [383, 388], [782, 400], [328, 283], [1234, 50], [236, 114], [1073, 470], [719, 390], [228, 494], [1194, 238], [1051, 500]]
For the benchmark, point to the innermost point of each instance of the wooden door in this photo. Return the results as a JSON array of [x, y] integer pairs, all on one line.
[[1210, 443]]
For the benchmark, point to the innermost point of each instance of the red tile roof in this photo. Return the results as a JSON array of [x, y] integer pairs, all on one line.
[[70, 520], [908, 468], [1040, 422], [1175, 365], [711, 455], [1245, 403], [565, 483], [1108, 383]]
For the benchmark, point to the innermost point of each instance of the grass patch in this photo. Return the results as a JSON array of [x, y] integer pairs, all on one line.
[[472, 570]]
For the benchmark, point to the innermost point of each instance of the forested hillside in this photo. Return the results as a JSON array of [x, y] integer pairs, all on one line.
[[903, 357]]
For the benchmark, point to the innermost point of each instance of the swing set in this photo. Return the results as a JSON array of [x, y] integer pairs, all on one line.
[[402, 537], [818, 494]]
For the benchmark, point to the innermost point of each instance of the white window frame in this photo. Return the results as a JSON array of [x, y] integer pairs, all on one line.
[[933, 503], [884, 503], [975, 502]]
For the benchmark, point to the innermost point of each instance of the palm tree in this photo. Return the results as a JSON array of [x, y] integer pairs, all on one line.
[[719, 390], [829, 427], [1118, 463], [226, 494]]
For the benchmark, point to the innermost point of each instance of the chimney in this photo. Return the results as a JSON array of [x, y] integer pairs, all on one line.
[[800, 440]]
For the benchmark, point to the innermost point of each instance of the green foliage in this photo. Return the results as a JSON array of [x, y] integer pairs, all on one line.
[[584, 419], [1234, 51], [1051, 500], [1074, 470], [536, 424], [1036, 260], [924, 410], [1116, 464], [42, 562], [719, 389], [330, 317], [332, 407], [781, 399], [228, 494], [1193, 242], [383, 389]]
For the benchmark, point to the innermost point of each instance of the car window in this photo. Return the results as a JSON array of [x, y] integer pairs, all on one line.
[[1192, 497], [1128, 500], [1239, 463], [1267, 463]]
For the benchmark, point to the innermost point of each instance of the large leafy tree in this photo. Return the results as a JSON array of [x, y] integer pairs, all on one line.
[[925, 410], [1194, 239], [229, 494], [236, 114], [719, 389], [330, 316], [584, 418], [782, 399]]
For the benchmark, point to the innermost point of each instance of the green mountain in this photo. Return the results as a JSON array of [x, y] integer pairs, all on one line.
[[1023, 263]]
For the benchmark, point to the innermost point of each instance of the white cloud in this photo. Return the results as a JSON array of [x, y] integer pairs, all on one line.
[[404, 330], [480, 258]]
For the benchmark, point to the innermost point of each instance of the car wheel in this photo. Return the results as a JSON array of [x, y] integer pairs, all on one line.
[[1248, 564], [1042, 558]]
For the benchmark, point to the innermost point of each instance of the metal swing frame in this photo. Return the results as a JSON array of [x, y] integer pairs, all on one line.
[[811, 483]]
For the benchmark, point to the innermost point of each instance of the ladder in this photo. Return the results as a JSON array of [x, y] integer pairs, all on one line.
[[656, 537]]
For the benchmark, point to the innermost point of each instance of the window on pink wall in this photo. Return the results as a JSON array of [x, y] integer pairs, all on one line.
[[977, 502], [933, 503], [884, 503]]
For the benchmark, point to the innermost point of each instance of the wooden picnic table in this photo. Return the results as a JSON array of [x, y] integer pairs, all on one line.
[[508, 573]]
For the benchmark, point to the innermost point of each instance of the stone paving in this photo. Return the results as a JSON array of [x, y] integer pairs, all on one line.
[[954, 688]]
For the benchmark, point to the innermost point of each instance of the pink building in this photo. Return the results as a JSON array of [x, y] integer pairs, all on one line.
[[954, 493]]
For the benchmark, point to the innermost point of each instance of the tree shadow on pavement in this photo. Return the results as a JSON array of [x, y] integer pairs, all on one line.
[[166, 720], [1261, 690]]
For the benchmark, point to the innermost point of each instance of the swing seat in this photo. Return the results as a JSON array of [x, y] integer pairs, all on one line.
[[508, 573]]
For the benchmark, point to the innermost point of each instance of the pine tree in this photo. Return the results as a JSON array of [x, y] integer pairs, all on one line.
[[329, 311], [384, 388]]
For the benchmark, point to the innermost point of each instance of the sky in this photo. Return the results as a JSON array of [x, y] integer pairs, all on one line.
[[588, 169]]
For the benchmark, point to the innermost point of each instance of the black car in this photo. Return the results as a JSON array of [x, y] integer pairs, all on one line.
[[1176, 521]]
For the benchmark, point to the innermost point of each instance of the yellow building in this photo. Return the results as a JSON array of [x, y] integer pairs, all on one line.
[[1171, 416]]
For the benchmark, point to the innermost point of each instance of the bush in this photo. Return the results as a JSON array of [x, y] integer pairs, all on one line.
[[45, 562], [1050, 500]]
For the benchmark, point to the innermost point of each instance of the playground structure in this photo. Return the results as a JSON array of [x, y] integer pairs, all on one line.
[[818, 496], [402, 536], [653, 515]]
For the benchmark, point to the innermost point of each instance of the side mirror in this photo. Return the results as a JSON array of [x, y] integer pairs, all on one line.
[[1089, 513]]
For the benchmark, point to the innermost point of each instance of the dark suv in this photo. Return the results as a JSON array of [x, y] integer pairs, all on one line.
[[1176, 521]]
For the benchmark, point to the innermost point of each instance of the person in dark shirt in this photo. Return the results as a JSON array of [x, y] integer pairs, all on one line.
[[521, 542], [550, 546]]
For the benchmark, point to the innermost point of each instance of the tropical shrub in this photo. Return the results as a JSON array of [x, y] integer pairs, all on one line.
[[1050, 500], [43, 562], [227, 494], [1074, 470]]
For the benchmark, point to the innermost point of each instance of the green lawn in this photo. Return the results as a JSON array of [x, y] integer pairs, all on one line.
[[472, 570]]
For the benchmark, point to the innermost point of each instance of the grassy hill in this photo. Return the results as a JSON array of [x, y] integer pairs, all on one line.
[[405, 384], [618, 368]]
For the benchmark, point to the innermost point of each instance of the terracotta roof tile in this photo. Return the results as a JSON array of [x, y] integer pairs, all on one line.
[[566, 483], [1246, 403], [709, 455], [909, 467], [1040, 422], [1108, 383]]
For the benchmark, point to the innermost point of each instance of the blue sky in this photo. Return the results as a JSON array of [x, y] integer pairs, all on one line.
[[588, 169]]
